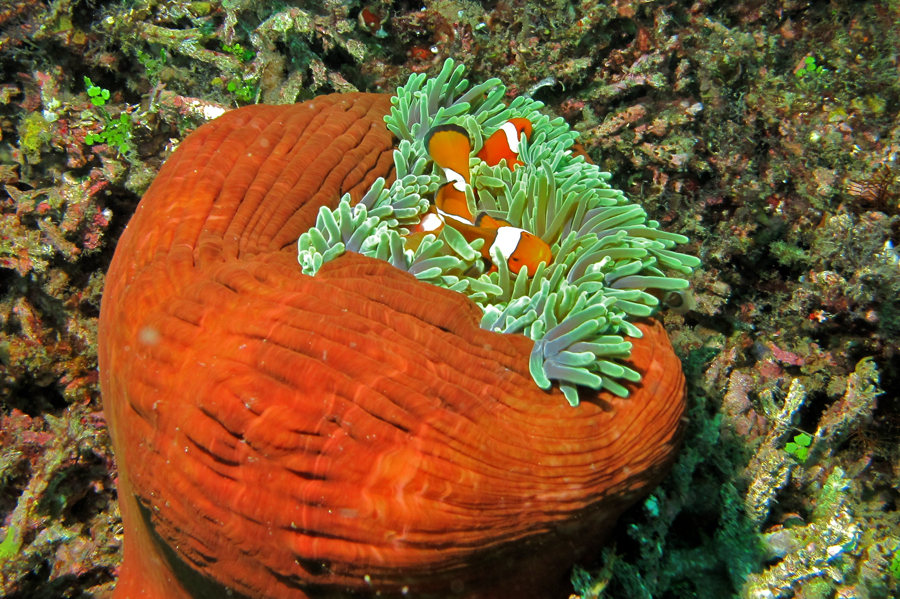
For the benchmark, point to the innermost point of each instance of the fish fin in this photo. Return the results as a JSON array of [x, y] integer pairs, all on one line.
[[414, 240], [504, 143], [449, 146], [450, 201], [487, 221], [429, 222]]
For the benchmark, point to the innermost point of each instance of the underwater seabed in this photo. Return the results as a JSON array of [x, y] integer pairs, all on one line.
[[767, 134]]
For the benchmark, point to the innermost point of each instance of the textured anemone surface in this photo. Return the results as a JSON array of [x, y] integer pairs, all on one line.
[[285, 435]]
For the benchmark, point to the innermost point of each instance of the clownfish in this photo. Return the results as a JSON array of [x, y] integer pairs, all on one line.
[[518, 246], [504, 143], [431, 223], [449, 146]]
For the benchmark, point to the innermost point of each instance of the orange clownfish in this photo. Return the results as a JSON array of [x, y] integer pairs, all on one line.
[[431, 223], [518, 246], [504, 143], [449, 146]]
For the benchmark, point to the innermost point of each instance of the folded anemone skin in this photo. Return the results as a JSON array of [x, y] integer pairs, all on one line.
[[356, 432]]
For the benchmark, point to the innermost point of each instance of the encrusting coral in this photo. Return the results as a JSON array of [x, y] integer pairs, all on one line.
[[361, 430], [606, 254]]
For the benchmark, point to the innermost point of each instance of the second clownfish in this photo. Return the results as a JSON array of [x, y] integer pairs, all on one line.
[[518, 246], [504, 143], [449, 146]]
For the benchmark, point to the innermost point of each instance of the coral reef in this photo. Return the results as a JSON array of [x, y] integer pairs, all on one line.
[[766, 132]]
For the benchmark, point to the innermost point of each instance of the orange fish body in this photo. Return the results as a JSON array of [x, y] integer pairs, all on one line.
[[431, 222], [449, 146], [521, 248], [518, 246], [451, 203], [504, 143]]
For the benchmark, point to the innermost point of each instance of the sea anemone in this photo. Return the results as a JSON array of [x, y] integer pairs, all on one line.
[[606, 253], [364, 429]]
